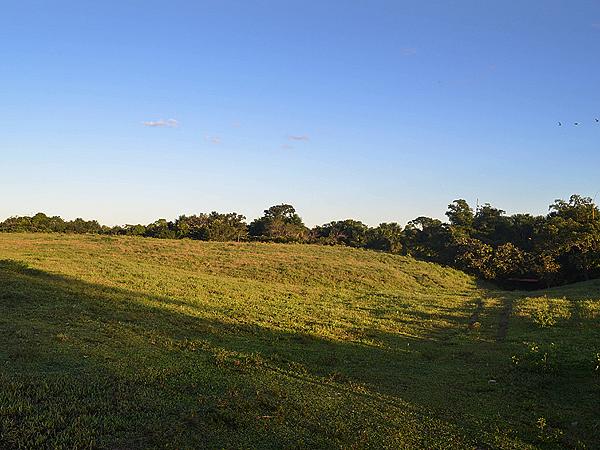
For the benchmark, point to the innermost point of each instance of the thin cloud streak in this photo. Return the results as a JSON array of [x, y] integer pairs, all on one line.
[[298, 137], [169, 123], [213, 139], [408, 51]]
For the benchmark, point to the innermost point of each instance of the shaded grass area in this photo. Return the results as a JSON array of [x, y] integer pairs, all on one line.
[[129, 343]]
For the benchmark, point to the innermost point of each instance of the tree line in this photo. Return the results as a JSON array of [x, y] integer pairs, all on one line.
[[560, 247]]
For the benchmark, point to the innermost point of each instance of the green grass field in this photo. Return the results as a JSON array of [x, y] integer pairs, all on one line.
[[138, 343]]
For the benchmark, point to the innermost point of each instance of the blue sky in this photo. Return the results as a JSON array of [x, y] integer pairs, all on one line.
[[376, 110]]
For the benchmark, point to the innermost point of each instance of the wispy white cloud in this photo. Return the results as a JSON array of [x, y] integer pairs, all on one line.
[[408, 51], [168, 123], [213, 139], [302, 137]]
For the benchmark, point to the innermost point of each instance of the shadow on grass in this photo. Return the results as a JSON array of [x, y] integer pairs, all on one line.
[[83, 365]]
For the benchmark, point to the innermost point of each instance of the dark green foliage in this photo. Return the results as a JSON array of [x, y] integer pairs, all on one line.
[[427, 238], [135, 230], [352, 233], [460, 214], [490, 225], [280, 223], [80, 226], [41, 223], [386, 237], [213, 227], [525, 230], [509, 261], [474, 256], [161, 229], [575, 227]]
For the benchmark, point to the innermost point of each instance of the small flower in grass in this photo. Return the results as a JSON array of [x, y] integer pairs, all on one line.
[[541, 423]]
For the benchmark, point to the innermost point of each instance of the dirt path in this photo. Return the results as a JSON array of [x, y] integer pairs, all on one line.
[[475, 316], [504, 319]]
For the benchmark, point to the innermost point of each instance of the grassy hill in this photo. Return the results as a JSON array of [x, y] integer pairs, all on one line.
[[129, 342]]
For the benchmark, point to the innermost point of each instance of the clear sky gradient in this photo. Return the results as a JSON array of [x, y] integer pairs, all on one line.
[[127, 111]]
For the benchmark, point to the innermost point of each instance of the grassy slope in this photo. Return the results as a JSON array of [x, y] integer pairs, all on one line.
[[127, 342]]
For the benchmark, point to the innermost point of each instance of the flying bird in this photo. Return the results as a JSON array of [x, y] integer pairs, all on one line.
[[597, 120]]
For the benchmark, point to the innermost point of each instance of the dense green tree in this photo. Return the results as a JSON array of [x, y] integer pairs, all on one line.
[[349, 232], [490, 225], [427, 238], [509, 261], [460, 214], [525, 231], [213, 227], [474, 256], [387, 237], [42, 223], [135, 230], [578, 209], [16, 225], [81, 226], [545, 267], [39, 223], [161, 229], [279, 223], [573, 234]]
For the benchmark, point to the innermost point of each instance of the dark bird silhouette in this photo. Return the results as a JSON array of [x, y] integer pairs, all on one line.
[[560, 124], [576, 123], [597, 120]]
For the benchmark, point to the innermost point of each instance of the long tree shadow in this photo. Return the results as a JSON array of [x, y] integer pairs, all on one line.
[[84, 365]]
